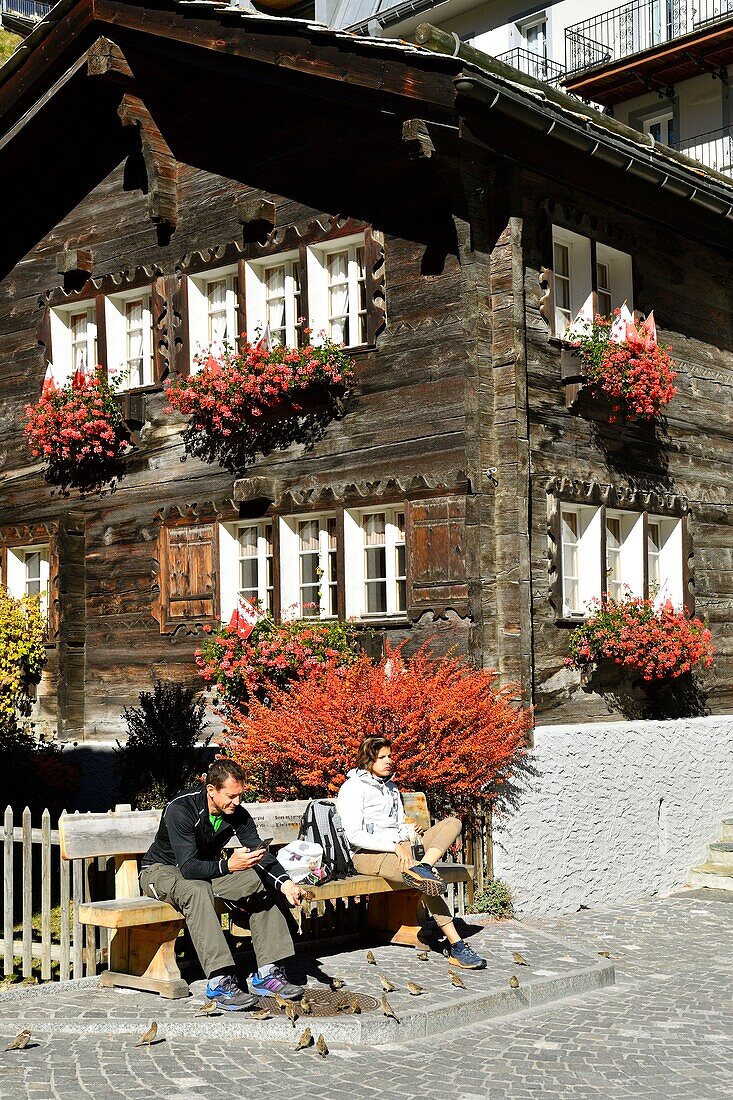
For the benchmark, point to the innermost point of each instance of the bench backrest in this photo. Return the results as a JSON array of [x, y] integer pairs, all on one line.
[[131, 832]]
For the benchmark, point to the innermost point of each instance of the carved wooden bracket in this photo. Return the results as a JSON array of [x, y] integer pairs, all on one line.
[[257, 216], [160, 164], [73, 261], [417, 138], [105, 58]]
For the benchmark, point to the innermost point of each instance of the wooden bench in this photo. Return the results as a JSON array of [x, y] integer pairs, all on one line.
[[144, 931]]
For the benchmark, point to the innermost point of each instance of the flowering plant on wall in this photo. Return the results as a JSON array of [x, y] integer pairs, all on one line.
[[260, 399], [22, 655], [624, 361], [656, 643], [78, 432], [247, 663]]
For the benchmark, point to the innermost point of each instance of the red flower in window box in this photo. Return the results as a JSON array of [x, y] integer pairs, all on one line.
[[656, 643], [623, 361], [78, 433], [260, 399]]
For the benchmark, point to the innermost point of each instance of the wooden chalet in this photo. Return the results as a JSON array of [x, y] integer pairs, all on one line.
[[176, 171]]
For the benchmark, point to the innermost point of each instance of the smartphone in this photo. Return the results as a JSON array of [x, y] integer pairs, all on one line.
[[266, 842]]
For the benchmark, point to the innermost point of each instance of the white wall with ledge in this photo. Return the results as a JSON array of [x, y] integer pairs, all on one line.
[[618, 811]]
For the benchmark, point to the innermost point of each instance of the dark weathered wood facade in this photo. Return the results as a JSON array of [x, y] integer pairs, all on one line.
[[149, 142]]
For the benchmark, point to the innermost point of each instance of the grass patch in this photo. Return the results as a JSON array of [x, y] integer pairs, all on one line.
[[8, 43]]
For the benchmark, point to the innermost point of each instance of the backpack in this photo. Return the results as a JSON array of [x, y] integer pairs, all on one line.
[[321, 824]]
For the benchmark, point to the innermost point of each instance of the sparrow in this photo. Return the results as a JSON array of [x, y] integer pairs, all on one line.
[[519, 959], [606, 954], [305, 1040], [321, 1046], [456, 980], [422, 956], [514, 981], [208, 1008], [387, 984], [305, 1005], [343, 1003], [414, 989], [149, 1036], [291, 1012], [337, 983], [263, 1014], [20, 1042], [387, 1009], [354, 1005], [281, 1003], [370, 958]]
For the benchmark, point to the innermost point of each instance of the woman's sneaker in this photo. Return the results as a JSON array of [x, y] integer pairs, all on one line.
[[461, 954], [426, 879], [225, 992], [274, 983]]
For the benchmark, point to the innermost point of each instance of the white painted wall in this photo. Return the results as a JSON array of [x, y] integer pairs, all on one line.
[[620, 811]]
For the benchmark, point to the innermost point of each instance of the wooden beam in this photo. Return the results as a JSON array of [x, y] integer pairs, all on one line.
[[160, 164], [105, 58], [417, 138], [74, 260]]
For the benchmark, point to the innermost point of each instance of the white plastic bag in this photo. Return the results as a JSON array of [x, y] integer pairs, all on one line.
[[299, 858]]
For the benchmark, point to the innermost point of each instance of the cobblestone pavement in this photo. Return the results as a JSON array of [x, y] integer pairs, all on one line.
[[664, 1030]]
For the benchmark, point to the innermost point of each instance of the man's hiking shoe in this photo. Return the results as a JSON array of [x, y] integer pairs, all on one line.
[[275, 983], [426, 879], [227, 995], [462, 955]]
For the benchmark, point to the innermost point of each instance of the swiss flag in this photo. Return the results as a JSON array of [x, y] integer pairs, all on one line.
[[49, 382], [265, 340], [245, 618]]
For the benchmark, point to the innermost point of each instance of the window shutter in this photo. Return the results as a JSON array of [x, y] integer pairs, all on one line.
[[436, 569], [188, 558]]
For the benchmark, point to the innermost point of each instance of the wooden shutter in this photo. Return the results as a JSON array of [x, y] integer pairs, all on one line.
[[188, 560], [436, 569]]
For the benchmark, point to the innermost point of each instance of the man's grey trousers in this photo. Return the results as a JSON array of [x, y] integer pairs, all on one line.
[[271, 937]]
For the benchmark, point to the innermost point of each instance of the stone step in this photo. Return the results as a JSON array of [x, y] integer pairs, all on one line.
[[716, 876], [721, 852]]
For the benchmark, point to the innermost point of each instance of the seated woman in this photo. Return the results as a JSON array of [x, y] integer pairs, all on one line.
[[373, 817]]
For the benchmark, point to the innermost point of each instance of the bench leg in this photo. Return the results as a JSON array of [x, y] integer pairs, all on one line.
[[393, 916], [144, 958]]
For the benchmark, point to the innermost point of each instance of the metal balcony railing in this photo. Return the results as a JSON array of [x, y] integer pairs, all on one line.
[[32, 10], [635, 27], [713, 149], [532, 64]]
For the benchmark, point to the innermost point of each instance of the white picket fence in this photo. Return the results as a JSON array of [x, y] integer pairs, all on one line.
[[76, 950]]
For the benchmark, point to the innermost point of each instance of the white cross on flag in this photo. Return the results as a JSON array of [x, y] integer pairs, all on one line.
[[245, 618]]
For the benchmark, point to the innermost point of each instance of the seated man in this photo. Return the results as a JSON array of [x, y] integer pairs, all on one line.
[[185, 866], [373, 817]]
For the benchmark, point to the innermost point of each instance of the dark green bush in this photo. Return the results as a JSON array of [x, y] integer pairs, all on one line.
[[495, 899], [164, 752], [35, 773]]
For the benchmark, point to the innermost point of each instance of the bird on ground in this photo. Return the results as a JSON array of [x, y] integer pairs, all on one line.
[[387, 1009], [337, 983], [456, 979], [306, 1006], [514, 981], [208, 1008], [387, 985], [149, 1036], [414, 989], [20, 1042], [422, 956], [606, 954], [519, 959], [263, 1014], [321, 1046], [343, 1004], [354, 1005], [281, 1003], [305, 1040], [291, 1012], [370, 958]]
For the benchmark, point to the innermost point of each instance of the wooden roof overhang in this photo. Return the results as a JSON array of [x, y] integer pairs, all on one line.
[[659, 69]]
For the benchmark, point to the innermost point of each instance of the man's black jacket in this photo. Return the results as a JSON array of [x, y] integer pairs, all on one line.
[[186, 839]]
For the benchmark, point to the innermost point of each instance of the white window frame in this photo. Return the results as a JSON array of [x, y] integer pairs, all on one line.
[[630, 554], [538, 20], [256, 297], [291, 586], [581, 284], [199, 312], [116, 328], [588, 544], [666, 119], [318, 288], [671, 562], [17, 572], [621, 274], [61, 338], [355, 556], [229, 570]]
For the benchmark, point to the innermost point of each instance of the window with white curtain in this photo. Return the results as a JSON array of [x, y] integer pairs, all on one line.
[[213, 312], [273, 296], [576, 278], [129, 323], [73, 340], [337, 291], [28, 573], [376, 563], [309, 566], [246, 565]]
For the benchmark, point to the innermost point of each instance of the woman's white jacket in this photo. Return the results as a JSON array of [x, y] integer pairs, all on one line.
[[371, 812]]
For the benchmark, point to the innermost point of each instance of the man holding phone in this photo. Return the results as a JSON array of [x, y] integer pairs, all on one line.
[[185, 866]]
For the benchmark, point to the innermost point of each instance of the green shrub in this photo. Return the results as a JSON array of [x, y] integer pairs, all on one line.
[[164, 752], [34, 773], [495, 899]]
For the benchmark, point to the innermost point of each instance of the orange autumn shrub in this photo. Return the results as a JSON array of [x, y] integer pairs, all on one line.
[[455, 735]]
